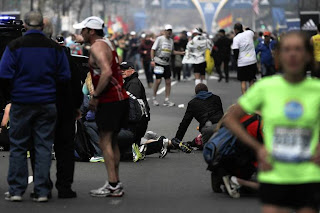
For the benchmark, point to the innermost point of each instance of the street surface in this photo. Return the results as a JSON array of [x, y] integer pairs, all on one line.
[[177, 183]]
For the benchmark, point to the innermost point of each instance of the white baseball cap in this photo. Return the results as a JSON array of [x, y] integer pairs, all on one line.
[[133, 33], [168, 27], [196, 31], [92, 22]]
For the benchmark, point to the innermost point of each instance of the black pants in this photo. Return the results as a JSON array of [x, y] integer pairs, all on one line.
[[64, 151], [225, 61], [141, 130], [177, 73], [148, 71]]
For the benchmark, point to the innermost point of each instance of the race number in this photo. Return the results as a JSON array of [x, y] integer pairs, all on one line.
[[291, 144], [158, 70]]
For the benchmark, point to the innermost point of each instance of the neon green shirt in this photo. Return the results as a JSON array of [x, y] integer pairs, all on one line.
[[291, 115]]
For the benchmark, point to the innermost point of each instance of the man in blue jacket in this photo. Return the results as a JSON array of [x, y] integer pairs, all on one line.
[[265, 49], [35, 65]]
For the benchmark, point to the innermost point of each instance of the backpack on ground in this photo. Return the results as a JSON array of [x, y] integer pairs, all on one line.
[[137, 108], [222, 144], [83, 149]]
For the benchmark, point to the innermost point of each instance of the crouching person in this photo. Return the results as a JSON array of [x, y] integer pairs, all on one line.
[[206, 108], [138, 120]]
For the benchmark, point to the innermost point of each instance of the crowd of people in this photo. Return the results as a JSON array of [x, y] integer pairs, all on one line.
[[279, 156]]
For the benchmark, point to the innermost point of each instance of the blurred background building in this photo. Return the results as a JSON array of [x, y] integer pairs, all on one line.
[[150, 15]]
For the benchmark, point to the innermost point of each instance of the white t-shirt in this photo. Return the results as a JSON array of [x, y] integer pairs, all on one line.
[[163, 50], [244, 42], [196, 49]]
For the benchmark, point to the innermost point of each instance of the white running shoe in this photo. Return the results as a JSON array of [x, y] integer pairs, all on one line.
[[96, 159], [164, 149], [13, 198], [155, 102], [168, 103], [233, 192], [108, 191]]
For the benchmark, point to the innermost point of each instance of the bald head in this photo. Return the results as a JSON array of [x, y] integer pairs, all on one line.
[[33, 20]]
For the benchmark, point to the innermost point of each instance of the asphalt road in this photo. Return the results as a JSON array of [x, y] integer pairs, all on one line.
[[177, 183]]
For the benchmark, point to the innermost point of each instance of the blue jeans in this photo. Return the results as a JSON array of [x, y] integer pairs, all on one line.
[[31, 123], [92, 131]]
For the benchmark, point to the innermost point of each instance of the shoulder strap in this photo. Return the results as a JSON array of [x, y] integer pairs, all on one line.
[[250, 120]]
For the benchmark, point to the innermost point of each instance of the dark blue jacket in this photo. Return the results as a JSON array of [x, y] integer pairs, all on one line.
[[34, 64], [266, 54]]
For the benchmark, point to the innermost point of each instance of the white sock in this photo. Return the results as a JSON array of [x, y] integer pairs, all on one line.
[[197, 81], [166, 99], [204, 82]]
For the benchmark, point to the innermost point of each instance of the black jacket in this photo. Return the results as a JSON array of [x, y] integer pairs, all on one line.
[[69, 94], [209, 109], [133, 85], [224, 47]]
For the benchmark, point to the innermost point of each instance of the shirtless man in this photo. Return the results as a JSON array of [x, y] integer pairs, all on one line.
[[109, 100]]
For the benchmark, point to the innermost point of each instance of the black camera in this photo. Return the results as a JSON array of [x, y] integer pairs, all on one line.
[[10, 29]]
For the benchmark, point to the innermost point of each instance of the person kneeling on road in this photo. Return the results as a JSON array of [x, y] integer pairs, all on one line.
[[206, 108]]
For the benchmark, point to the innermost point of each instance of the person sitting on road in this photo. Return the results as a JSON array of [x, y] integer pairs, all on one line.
[[206, 108], [152, 143]]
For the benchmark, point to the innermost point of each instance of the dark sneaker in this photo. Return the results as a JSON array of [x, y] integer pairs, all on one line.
[[185, 147], [13, 198], [67, 193], [108, 191]]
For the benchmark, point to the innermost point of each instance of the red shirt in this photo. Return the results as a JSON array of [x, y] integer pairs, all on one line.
[[114, 91]]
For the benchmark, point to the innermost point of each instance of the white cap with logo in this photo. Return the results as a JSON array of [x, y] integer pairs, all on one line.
[[92, 22], [168, 27]]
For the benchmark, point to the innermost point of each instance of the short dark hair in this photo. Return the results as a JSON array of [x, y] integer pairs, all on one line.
[[222, 31], [238, 26], [201, 87], [260, 34], [318, 27], [99, 33]]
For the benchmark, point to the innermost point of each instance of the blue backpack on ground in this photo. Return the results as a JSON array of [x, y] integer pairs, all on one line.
[[223, 143], [220, 145]]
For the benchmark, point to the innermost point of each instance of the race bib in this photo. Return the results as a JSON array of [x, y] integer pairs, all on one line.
[[291, 144], [158, 70]]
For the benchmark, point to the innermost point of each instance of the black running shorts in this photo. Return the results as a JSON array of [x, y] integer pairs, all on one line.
[[112, 117], [247, 73], [166, 74], [200, 68], [291, 196]]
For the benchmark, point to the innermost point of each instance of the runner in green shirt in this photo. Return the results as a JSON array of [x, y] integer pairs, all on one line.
[[289, 161]]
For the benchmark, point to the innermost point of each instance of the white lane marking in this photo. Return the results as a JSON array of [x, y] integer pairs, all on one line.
[[30, 179], [164, 88], [214, 77]]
